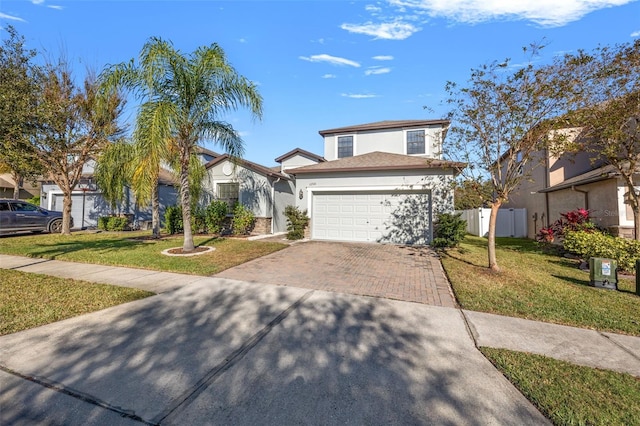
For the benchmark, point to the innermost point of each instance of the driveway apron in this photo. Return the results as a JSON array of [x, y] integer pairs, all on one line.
[[412, 274], [226, 352]]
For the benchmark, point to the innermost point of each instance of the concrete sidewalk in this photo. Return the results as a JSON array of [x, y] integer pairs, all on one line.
[[219, 351]]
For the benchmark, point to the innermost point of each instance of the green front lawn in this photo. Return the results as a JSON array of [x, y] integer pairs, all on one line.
[[134, 250], [30, 300], [538, 286], [570, 394]]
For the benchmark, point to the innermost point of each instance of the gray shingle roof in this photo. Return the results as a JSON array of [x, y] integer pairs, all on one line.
[[385, 125], [377, 161]]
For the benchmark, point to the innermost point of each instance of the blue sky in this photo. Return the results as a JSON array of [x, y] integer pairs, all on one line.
[[326, 63]]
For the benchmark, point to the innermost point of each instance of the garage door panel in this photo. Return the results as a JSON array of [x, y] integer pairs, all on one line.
[[402, 218]]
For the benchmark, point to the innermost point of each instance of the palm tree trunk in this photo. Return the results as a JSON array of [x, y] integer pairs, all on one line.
[[491, 246], [187, 245], [155, 212]]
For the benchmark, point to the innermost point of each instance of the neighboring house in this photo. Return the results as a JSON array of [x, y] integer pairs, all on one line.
[[558, 184], [383, 182], [27, 189], [88, 204]]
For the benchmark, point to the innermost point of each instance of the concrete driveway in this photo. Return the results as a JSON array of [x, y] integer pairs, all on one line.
[[412, 274], [226, 352]]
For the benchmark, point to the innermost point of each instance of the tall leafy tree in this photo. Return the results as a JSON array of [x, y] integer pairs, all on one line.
[[500, 117], [75, 124], [18, 98], [607, 111], [185, 98], [472, 194]]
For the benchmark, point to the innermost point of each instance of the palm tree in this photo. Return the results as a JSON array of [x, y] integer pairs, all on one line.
[[185, 97]]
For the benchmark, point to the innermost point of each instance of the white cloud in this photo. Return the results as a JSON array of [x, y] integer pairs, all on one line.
[[329, 76], [383, 58], [12, 18], [358, 96], [547, 13], [37, 1], [55, 6], [334, 60], [372, 9], [635, 34], [387, 30], [377, 70]]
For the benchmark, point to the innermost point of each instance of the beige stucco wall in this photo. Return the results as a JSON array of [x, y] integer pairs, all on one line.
[[601, 199], [568, 166]]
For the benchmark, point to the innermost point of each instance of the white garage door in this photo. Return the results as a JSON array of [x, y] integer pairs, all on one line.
[[365, 216]]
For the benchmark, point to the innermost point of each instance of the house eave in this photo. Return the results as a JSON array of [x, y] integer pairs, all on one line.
[[457, 167]]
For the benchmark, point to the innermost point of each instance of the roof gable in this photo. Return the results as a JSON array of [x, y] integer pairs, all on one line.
[[247, 165], [302, 152]]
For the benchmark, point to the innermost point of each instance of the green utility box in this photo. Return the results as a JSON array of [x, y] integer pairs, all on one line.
[[603, 273]]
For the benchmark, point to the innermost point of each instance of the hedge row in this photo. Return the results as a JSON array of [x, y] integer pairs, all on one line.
[[596, 244]]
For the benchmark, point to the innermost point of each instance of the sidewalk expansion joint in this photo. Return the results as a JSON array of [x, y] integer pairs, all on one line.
[[74, 393], [624, 348], [17, 268], [180, 403]]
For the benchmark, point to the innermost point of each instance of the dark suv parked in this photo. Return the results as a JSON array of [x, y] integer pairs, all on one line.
[[18, 216]]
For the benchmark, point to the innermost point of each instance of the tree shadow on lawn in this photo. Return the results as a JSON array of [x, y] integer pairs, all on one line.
[[254, 354], [60, 248], [585, 283]]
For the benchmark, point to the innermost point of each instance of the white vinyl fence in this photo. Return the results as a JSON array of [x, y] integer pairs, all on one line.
[[510, 222]]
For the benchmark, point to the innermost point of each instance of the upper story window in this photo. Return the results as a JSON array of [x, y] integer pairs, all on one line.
[[345, 146], [415, 142]]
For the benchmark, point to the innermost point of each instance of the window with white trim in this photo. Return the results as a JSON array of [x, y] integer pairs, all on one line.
[[229, 193], [416, 142], [345, 146]]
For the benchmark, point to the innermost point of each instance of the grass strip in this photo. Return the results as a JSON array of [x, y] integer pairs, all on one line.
[[538, 286], [134, 250], [30, 300], [569, 394]]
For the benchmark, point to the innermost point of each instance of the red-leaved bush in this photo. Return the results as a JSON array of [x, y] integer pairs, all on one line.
[[575, 220]]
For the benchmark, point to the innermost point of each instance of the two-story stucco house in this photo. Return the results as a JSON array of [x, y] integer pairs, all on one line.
[[381, 182], [557, 184]]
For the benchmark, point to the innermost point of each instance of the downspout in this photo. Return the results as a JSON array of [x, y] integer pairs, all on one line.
[[586, 196], [273, 203]]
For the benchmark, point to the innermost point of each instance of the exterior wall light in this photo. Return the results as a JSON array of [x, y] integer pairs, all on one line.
[[301, 194]]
